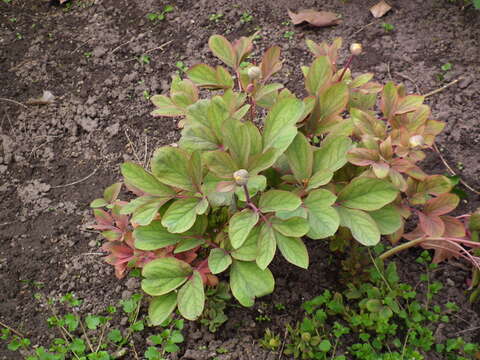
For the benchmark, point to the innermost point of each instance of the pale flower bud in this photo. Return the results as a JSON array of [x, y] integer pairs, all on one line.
[[241, 177], [416, 140], [356, 49], [254, 73]]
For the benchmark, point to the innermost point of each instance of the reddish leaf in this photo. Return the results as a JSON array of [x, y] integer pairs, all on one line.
[[270, 62], [442, 204], [431, 225], [315, 18], [443, 249], [102, 217], [453, 227], [362, 156]]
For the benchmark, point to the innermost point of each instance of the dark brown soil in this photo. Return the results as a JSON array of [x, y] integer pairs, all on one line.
[[55, 159]]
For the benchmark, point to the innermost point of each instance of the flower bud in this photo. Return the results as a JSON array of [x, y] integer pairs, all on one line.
[[250, 88], [241, 177], [254, 73], [356, 49], [416, 140]]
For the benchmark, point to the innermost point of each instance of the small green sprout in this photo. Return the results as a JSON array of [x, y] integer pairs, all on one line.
[[288, 35], [447, 67], [215, 17], [246, 17], [387, 27]]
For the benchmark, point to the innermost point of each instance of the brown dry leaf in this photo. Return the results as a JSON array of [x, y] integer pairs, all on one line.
[[315, 18], [380, 9], [46, 99]]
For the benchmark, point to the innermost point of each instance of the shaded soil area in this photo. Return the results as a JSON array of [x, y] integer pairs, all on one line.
[[103, 58]]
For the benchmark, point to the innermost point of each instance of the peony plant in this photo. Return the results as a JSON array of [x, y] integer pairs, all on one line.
[[259, 171]]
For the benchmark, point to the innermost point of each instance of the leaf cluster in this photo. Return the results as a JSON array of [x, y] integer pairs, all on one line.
[[257, 170]]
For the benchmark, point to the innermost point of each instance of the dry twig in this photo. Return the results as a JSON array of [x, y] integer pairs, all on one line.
[[76, 182], [12, 329], [14, 102], [449, 168], [443, 87]]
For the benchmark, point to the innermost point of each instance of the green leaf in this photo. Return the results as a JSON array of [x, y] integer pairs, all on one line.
[[236, 136], [191, 297], [294, 227], [136, 176], [165, 107], [248, 281], [262, 161], [325, 346], [373, 305], [202, 75], [319, 75], [255, 184], [188, 244], [279, 200], [332, 155], [144, 215], [367, 194], [201, 207], [333, 101], [161, 307], [248, 251], [220, 163], [181, 215], [320, 178], [98, 203], [115, 336], [223, 49], [154, 236], [280, 130], [293, 250], [363, 227], [92, 321], [388, 219], [111, 193], [322, 218], [170, 166], [300, 158], [218, 260], [240, 226], [267, 246], [164, 275]]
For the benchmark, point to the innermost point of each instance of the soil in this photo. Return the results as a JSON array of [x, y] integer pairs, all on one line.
[[56, 158]]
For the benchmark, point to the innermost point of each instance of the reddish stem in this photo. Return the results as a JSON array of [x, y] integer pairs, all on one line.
[[347, 65]]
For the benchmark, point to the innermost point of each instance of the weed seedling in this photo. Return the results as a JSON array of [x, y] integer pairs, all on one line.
[[144, 59], [270, 341], [180, 65], [387, 27], [154, 17], [215, 17], [246, 17], [288, 35]]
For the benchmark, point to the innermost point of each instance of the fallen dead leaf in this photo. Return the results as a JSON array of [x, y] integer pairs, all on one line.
[[380, 9], [315, 18], [46, 99]]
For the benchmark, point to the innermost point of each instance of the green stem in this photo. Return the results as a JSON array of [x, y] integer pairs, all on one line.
[[401, 247]]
